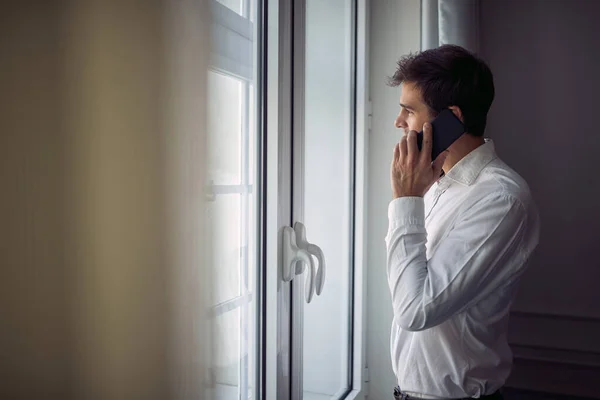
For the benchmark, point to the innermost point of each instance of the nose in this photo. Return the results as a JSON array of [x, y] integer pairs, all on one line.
[[400, 122]]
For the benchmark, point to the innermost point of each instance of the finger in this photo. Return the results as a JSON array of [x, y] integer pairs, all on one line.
[[427, 143], [413, 149], [396, 154], [403, 145], [438, 164]]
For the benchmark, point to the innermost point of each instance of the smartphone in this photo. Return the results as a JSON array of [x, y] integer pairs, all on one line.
[[446, 128]]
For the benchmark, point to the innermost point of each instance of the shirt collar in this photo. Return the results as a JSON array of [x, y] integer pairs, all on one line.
[[470, 166]]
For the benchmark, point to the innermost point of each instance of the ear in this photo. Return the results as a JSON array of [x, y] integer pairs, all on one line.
[[457, 112]]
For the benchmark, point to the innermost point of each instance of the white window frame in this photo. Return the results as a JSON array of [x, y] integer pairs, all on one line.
[[232, 42], [358, 345], [360, 384], [233, 55], [290, 381]]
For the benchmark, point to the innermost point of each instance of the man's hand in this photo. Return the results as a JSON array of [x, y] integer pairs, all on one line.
[[412, 172]]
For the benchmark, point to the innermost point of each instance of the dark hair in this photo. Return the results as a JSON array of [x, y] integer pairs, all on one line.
[[450, 75]]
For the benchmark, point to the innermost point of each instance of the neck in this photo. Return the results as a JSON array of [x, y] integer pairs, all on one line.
[[459, 149]]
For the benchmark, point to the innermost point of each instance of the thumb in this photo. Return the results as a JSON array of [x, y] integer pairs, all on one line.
[[439, 163]]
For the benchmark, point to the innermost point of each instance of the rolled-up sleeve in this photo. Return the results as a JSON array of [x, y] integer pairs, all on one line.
[[465, 266]]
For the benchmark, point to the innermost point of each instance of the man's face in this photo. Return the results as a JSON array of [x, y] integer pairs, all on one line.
[[413, 110]]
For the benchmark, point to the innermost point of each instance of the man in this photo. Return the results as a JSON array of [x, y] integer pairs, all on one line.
[[456, 245]]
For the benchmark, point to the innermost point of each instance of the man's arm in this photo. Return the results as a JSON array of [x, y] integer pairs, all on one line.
[[467, 264]]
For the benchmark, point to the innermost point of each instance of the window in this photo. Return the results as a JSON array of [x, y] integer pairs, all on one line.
[[231, 194], [328, 194], [268, 343]]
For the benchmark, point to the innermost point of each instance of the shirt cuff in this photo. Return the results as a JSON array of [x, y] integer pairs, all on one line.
[[406, 211]]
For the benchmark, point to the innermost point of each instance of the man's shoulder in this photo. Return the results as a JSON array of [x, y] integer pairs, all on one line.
[[499, 178]]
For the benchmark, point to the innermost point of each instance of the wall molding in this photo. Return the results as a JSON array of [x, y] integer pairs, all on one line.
[[549, 315], [554, 332], [555, 353], [555, 377]]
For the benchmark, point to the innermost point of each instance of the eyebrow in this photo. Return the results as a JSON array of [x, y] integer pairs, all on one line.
[[407, 107]]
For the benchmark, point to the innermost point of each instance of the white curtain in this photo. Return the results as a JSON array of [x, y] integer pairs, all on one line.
[[450, 22]]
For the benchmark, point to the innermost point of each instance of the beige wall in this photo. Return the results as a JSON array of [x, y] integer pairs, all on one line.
[[101, 141]]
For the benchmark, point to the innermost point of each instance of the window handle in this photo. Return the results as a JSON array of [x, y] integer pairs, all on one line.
[[295, 259], [313, 250]]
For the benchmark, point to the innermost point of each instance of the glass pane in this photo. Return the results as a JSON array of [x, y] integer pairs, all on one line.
[[224, 129], [224, 221], [234, 237], [232, 220], [226, 355], [252, 135], [328, 198]]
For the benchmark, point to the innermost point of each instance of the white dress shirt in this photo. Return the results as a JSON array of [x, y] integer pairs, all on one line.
[[454, 259]]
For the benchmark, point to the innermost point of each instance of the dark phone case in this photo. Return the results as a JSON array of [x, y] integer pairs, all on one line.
[[446, 129]]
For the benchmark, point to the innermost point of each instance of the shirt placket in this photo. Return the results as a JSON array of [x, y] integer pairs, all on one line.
[[440, 188]]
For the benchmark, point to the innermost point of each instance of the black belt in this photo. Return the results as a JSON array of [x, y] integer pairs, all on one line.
[[400, 395]]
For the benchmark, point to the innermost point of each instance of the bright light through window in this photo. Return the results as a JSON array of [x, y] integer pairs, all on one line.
[[230, 210]]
